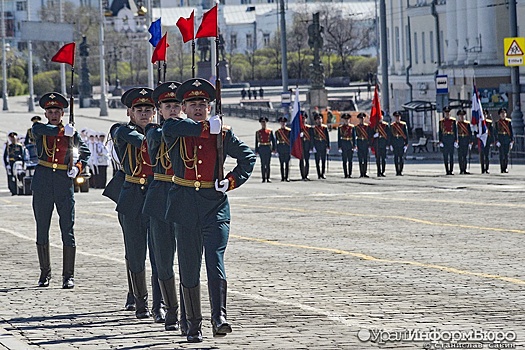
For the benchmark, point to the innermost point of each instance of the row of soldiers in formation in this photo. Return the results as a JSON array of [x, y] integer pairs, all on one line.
[[168, 195], [460, 134], [350, 138]]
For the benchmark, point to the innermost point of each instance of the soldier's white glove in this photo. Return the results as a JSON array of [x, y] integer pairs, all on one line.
[[340, 150], [391, 148], [376, 135], [215, 125], [314, 150], [456, 145], [222, 186], [301, 134], [511, 145], [469, 146], [69, 130], [355, 149], [441, 145], [73, 172], [405, 148], [498, 144]]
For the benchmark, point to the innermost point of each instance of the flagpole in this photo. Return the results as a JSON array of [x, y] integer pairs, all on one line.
[[218, 103], [193, 58]]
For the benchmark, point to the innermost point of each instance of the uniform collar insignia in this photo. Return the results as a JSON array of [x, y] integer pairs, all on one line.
[[197, 83], [172, 86], [143, 92]]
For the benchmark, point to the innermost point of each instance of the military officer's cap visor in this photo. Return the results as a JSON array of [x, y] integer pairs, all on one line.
[[196, 89], [397, 114], [345, 116], [53, 100], [140, 97], [166, 92], [263, 119], [446, 109], [283, 119]]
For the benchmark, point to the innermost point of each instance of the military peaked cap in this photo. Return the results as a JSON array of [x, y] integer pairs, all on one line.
[[166, 92], [397, 114], [446, 109], [36, 118], [196, 88], [124, 97], [140, 97], [345, 116], [263, 119], [283, 119], [53, 100]]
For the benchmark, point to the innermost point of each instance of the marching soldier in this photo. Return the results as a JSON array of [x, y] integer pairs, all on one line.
[[264, 146], [464, 141], [133, 154], [484, 156], [30, 139], [381, 139], [112, 191], [398, 141], [346, 143], [52, 185], [448, 139], [163, 232], [321, 144], [14, 152], [504, 138], [197, 201], [282, 136], [306, 139], [363, 135]]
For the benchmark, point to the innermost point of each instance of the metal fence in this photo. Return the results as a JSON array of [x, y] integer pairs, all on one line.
[[251, 112]]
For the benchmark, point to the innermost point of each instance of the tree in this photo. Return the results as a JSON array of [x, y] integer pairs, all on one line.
[[297, 39]]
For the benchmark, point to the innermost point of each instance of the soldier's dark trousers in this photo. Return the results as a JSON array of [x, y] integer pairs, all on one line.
[[463, 154], [398, 159], [380, 160], [265, 154], [484, 157], [504, 155], [448, 158], [320, 162], [362, 155], [304, 162], [284, 160], [43, 204], [11, 181], [347, 161]]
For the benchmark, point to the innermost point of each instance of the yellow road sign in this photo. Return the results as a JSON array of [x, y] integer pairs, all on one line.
[[514, 51]]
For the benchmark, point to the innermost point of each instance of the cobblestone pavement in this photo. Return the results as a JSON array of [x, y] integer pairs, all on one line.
[[326, 264]]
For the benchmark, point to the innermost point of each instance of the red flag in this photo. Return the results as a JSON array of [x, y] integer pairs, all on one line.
[[375, 113], [187, 27], [159, 54], [66, 54], [208, 27]]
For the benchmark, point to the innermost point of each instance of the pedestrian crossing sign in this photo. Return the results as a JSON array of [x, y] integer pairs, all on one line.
[[514, 51]]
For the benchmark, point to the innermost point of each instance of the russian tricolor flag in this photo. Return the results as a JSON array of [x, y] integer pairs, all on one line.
[[478, 118], [296, 146]]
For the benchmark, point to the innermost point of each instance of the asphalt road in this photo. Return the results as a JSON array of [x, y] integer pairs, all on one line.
[[326, 264]]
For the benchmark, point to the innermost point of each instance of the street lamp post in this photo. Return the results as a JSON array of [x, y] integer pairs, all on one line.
[[103, 99], [4, 62]]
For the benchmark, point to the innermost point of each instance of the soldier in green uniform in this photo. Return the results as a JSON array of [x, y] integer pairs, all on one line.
[[52, 185], [264, 146], [197, 201], [398, 141], [321, 138], [14, 152], [112, 191], [363, 135], [133, 154], [504, 138], [346, 143], [484, 156], [464, 141], [30, 139], [282, 136], [163, 232], [306, 136], [448, 139], [381, 140]]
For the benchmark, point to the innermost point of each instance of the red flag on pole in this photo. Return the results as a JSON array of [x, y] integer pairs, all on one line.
[[208, 27], [187, 27], [159, 54], [375, 113], [66, 54]]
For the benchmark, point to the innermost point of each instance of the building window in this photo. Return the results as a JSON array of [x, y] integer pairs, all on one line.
[[441, 53], [407, 46], [431, 44], [398, 47], [233, 41], [249, 41], [415, 48], [266, 40], [21, 6], [423, 47]]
